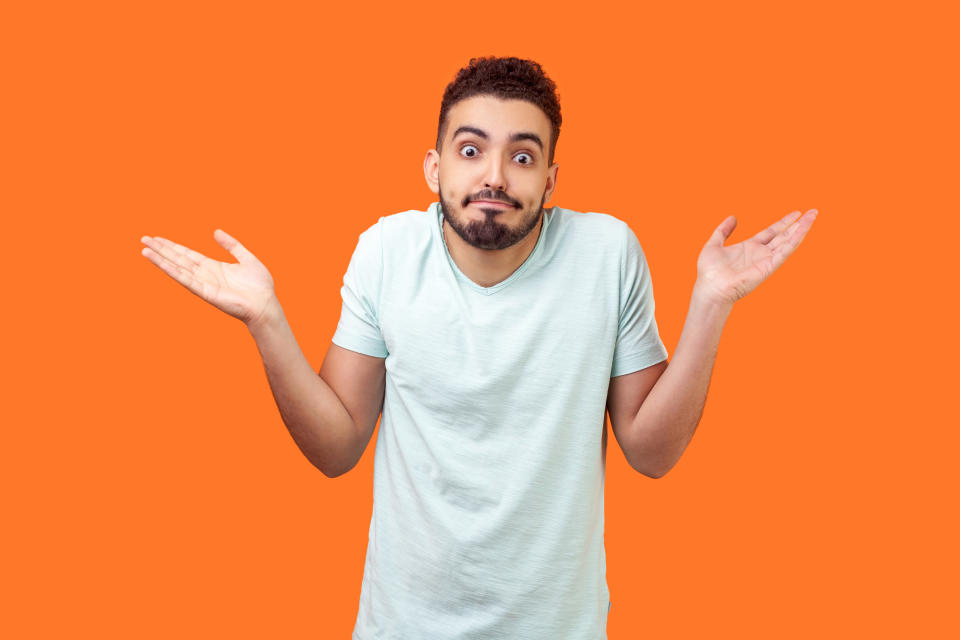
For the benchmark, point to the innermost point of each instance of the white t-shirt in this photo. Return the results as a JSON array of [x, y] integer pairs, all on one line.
[[488, 474]]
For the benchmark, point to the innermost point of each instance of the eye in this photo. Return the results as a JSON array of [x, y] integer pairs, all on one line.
[[469, 151], [523, 158]]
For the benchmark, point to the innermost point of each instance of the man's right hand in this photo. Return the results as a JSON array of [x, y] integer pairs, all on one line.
[[242, 289]]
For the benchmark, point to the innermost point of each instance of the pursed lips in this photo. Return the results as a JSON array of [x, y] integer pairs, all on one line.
[[492, 203]]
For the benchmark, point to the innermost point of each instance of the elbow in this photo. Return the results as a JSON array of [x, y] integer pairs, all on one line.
[[654, 471], [653, 462], [652, 474], [339, 468], [331, 474], [332, 466], [326, 467], [334, 472]]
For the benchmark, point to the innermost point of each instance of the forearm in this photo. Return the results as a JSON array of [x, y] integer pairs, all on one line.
[[669, 415], [311, 410]]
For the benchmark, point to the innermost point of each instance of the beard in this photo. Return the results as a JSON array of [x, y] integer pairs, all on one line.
[[488, 233]]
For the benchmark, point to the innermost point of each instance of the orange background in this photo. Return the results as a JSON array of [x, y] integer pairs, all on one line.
[[150, 487]]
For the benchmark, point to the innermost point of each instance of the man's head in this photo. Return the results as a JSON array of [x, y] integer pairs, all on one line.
[[507, 79], [493, 165]]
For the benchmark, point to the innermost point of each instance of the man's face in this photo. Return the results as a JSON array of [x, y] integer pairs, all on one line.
[[492, 173]]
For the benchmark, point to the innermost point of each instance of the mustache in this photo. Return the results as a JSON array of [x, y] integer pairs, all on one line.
[[493, 196]]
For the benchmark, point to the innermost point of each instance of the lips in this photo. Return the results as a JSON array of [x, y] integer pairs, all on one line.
[[492, 203]]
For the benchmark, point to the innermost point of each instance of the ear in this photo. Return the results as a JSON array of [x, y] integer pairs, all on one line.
[[551, 181], [431, 170]]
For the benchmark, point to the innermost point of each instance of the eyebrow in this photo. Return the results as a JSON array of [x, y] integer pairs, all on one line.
[[516, 137]]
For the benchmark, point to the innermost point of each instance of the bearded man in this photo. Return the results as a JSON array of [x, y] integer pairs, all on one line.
[[491, 336]]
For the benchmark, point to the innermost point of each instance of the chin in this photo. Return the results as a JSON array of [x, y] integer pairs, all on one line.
[[486, 230]]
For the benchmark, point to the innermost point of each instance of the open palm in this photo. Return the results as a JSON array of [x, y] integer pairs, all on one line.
[[729, 273], [242, 289]]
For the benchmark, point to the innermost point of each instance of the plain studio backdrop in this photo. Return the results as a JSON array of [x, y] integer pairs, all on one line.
[[150, 489]]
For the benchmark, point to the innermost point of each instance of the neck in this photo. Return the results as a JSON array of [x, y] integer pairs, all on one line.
[[488, 267]]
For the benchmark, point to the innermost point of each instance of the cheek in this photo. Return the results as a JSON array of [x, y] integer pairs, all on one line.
[[531, 187], [455, 180]]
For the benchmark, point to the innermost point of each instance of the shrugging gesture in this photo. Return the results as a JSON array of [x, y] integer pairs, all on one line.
[[726, 274], [242, 289]]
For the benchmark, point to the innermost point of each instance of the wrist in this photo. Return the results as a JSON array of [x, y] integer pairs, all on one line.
[[271, 316], [709, 302]]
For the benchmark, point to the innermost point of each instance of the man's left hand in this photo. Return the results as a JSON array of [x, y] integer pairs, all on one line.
[[726, 274]]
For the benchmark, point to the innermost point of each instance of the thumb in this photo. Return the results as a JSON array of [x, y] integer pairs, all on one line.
[[722, 232], [233, 245]]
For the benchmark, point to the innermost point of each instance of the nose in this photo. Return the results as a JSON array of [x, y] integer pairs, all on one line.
[[494, 178]]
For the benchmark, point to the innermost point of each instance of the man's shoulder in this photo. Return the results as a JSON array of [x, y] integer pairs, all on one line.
[[589, 226], [410, 221], [596, 219], [400, 235]]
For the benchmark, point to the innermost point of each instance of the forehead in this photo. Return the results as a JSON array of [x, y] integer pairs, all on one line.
[[497, 117]]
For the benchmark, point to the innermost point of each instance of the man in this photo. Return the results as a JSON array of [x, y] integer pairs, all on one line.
[[494, 335]]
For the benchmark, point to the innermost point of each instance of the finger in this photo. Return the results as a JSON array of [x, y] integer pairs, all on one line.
[[233, 245], [188, 256], [782, 252], [167, 249], [788, 234], [722, 232], [776, 228], [178, 273]]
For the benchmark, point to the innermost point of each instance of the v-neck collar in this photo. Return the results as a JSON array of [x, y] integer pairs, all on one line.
[[513, 277]]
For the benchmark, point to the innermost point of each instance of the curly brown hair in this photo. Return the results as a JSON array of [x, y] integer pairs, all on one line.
[[507, 79]]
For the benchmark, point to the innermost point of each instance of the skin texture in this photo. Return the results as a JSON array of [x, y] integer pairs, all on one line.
[[492, 161]]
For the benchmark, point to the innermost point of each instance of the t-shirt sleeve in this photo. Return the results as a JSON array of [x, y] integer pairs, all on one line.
[[638, 340], [359, 326]]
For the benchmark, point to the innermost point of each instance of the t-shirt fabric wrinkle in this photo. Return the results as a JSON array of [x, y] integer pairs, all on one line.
[[488, 477]]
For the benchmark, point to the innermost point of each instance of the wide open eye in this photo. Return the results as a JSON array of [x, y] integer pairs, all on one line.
[[523, 158], [469, 151]]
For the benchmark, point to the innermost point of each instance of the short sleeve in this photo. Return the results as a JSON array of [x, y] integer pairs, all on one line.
[[359, 326], [638, 340]]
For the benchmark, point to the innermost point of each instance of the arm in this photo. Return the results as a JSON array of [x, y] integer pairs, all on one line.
[[331, 416], [655, 412]]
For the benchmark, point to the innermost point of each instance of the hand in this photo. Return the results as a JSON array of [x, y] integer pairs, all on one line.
[[242, 289], [726, 274]]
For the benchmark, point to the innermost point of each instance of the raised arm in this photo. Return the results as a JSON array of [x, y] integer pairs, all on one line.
[[331, 415], [655, 412]]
